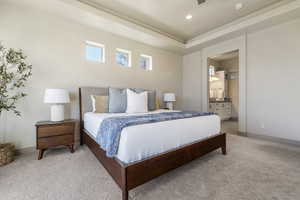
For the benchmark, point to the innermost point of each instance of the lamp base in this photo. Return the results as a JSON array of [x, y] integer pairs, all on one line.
[[170, 105], [57, 112]]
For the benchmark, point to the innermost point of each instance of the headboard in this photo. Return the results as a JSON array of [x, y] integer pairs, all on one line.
[[85, 102]]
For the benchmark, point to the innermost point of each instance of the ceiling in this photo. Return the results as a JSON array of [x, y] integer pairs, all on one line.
[[168, 16]]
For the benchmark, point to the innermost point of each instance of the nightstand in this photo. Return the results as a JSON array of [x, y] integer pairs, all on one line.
[[52, 134]]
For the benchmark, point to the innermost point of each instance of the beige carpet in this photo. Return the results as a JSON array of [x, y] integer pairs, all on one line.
[[230, 126], [253, 169]]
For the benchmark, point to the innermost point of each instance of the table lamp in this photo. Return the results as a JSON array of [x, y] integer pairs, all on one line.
[[57, 97], [169, 98]]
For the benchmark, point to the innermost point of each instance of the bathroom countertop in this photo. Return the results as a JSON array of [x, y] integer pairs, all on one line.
[[225, 101]]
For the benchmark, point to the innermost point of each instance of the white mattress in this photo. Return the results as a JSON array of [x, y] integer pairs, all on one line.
[[143, 141]]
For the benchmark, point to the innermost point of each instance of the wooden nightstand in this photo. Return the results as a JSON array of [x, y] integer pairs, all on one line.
[[52, 134]]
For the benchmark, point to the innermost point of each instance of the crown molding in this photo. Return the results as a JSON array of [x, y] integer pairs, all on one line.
[[131, 20], [246, 23], [112, 21]]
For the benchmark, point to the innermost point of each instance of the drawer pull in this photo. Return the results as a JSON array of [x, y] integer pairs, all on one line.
[[44, 143], [46, 131]]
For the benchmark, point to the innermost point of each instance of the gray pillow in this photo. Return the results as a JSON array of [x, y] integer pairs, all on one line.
[[117, 100], [151, 98]]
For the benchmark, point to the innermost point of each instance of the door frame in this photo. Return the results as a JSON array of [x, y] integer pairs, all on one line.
[[239, 44]]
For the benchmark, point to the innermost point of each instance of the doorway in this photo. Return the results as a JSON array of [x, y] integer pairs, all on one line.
[[239, 44], [223, 89]]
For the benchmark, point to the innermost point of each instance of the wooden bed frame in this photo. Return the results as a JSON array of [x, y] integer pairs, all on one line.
[[134, 174]]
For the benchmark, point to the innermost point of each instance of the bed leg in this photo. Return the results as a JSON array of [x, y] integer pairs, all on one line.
[[124, 183], [224, 151], [223, 147], [124, 194], [81, 141], [81, 138]]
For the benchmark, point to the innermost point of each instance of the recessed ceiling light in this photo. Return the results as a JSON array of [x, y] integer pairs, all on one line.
[[188, 17], [238, 6]]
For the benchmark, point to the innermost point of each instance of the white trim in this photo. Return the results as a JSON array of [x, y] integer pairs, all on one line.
[[227, 46], [150, 61], [245, 22], [97, 45], [273, 139], [139, 31], [129, 56], [131, 20]]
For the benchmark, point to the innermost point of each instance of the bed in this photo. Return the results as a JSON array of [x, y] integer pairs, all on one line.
[[169, 144]]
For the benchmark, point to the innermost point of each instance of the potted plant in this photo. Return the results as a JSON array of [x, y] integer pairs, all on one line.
[[14, 72]]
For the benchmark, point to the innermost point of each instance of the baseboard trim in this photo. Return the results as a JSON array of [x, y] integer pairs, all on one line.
[[272, 139], [242, 134], [25, 150]]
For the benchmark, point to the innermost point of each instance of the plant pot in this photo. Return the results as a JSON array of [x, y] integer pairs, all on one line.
[[7, 153]]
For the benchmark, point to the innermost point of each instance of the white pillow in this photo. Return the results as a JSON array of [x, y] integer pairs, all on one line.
[[137, 102]]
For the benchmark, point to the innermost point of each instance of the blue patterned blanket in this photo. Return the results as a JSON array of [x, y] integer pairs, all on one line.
[[109, 132]]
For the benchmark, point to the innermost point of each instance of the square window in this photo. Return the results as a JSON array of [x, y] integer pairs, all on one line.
[[146, 62], [95, 52], [123, 57]]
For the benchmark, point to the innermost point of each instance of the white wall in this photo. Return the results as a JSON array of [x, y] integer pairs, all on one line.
[[56, 48], [273, 83], [191, 82]]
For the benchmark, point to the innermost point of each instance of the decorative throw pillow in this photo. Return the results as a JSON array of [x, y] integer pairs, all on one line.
[[117, 101], [151, 98], [100, 103], [137, 102]]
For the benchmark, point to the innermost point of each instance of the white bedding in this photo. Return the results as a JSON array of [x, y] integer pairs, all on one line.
[[143, 141]]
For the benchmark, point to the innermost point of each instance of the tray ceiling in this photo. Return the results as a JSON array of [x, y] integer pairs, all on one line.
[[168, 16]]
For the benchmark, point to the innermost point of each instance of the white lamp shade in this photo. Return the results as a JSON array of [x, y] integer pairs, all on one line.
[[56, 96], [169, 97]]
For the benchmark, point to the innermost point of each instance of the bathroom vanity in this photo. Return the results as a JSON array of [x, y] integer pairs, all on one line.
[[222, 108]]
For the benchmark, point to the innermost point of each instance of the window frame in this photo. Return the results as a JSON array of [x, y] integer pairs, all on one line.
[[150, 68], [98, 45], [129, 57]]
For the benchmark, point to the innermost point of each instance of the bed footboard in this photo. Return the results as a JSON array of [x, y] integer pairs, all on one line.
[[163, 163], [130, 176]]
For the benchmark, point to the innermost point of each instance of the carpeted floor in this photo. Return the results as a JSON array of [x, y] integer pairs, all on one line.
[[253, 169], [230, 126]]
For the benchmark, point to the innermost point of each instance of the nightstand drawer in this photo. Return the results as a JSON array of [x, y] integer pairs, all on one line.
[[46, 142], [53, 130]]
